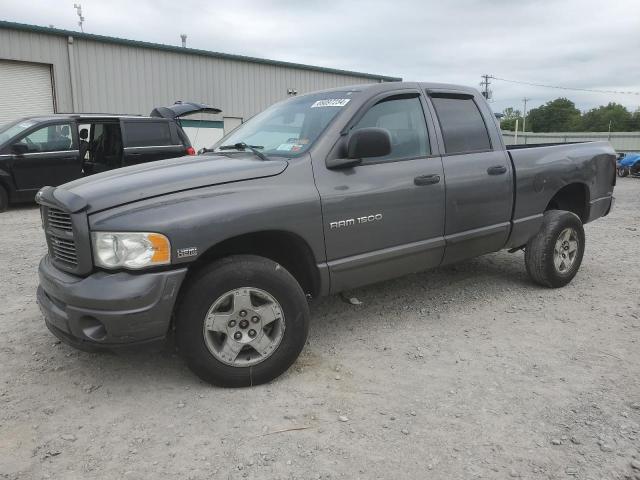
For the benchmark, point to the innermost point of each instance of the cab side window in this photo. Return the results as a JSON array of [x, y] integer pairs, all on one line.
[[53, 138], [462, 125], [402, 116]]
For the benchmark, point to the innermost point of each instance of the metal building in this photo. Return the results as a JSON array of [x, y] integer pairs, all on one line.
[[46, 70]]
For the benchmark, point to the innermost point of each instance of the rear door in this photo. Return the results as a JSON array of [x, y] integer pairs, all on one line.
[[477, 169], [52, 158], [385, 217], [150, 139]]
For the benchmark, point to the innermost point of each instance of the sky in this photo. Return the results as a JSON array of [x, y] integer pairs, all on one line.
[[570, 43]]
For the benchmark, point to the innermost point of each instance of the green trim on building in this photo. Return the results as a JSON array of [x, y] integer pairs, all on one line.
[[192, 51], [202, 123]]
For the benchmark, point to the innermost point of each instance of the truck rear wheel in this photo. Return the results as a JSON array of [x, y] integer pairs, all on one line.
[[242, 321], [4, 199], [553, 256]]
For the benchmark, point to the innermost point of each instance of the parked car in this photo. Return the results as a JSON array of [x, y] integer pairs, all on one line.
[[318, 194], [629, 164], [56, 149]]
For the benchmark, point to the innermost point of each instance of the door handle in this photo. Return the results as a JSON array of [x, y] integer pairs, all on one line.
[[497, 170], [426, 180]]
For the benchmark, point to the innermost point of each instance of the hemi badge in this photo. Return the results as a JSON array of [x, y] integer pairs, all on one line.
[[187, 252]]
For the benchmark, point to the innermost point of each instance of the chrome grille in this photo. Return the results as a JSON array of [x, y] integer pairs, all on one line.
[[59, 219]]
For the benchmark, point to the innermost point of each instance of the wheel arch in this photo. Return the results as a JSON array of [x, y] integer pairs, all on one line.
[[573, 197], [283, 247]]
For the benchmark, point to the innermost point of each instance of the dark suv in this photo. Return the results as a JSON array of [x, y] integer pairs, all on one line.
[[57, 149]]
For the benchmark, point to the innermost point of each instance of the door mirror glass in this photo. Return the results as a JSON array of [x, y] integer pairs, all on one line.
[[369, 142]]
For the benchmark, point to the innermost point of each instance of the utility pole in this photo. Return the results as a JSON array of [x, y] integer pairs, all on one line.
[[524, 114], [78, 8], [486, 93]]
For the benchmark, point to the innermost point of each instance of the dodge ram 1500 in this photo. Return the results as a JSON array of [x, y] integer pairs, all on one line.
[[318, 194]]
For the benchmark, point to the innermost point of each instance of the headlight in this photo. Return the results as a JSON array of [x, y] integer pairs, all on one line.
[[130, 249]]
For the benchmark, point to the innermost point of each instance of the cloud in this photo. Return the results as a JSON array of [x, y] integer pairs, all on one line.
[[577, 43]]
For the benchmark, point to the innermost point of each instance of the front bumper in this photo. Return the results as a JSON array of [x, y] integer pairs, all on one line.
[[107, 309]]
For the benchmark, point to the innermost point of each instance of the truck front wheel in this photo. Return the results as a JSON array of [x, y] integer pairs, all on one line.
[[553, 256], [242, 321]]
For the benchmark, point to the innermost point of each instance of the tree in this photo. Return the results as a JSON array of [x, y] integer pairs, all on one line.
[[597, 119], [559, 115], [635, 121], [508, 121]]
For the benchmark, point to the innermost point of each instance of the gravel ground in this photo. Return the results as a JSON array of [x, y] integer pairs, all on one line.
[[468, 371]]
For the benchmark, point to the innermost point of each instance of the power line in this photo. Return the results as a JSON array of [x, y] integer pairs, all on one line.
[[565, 88]]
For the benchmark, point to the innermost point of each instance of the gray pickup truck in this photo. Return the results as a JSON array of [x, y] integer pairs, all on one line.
[[318, 194]]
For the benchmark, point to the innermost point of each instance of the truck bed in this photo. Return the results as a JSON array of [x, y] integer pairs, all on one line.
[[588, 168], [534, 145]]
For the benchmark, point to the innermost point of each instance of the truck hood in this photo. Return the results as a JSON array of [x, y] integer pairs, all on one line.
[[138, 182]]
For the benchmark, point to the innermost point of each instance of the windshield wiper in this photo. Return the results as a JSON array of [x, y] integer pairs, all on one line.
[[243, 146]]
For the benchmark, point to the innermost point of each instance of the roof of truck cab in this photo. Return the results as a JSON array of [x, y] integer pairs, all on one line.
[[381, 87]]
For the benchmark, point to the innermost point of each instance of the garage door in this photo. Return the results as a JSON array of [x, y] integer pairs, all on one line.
[[25, 90]]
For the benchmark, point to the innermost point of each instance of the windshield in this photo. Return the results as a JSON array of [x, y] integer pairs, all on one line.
[[12, 129], [289, 128]]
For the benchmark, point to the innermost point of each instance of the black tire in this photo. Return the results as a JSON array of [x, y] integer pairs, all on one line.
[[539, 252], [213, 281], [4, 199], [623, 171]]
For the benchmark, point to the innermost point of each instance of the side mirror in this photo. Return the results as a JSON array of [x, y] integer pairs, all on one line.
[[19, 148], [364, 143], [369, 142]]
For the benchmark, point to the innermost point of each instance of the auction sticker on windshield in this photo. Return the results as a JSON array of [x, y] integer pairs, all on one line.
[[331, 102], [287, 147]]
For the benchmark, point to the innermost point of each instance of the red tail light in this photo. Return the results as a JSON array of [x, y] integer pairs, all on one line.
[[191, 151]]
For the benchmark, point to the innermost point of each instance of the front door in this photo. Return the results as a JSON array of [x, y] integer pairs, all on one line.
[[51, 159], [385, 217], [479, 182]]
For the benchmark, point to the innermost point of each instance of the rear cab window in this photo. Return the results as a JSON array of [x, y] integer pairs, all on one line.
[[142, 133], [462, 125]]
